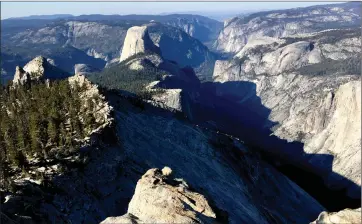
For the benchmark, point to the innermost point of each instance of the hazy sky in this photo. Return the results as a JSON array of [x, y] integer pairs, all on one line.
[[18, 9]]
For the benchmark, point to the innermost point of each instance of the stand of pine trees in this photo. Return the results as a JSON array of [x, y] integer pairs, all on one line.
[[121, 77], [40, 118]]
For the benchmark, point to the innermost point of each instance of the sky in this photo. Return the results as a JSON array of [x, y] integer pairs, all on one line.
[[19, 9]]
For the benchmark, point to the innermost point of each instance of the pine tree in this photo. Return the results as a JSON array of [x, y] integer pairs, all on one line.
[[53, 132], [62, 134], [89, 121], [20, 135], [34, 132]]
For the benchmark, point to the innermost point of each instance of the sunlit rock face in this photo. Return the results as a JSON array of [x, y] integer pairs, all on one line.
[[315, 52], [137, 41], [84, 69], [283, 23], [344, 216], [21, 76]]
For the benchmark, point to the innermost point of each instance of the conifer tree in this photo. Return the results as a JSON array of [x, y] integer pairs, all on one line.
[[37, 117]]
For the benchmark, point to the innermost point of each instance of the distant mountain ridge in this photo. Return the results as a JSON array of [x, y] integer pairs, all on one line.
[[98, 39], [53, 16], [283, 23]]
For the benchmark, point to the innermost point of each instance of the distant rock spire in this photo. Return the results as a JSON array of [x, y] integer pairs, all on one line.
[[137, 41], [38, 68]]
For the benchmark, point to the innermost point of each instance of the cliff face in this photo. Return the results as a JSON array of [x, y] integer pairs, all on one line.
[[180, 47], [341, 136], [199, 27], [173, 44], [307, 85], [137, 41]]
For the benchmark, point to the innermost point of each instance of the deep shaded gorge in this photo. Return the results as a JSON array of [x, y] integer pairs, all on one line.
[[332, 200]]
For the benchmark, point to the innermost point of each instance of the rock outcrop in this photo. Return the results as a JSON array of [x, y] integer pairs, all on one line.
[[101, 111], [161, 199], [290, 57], [137, 41], [38, 68], [41, 67], [346, 216], [84, 69], [168, 98], [21, 76]]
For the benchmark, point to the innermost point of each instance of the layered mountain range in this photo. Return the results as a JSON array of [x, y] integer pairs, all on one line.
[[97, 40], [282, 23], [268, 134]]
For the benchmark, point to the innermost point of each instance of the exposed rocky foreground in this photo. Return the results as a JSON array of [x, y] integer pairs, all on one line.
[[344, 216], [160, 199], [231, 177]]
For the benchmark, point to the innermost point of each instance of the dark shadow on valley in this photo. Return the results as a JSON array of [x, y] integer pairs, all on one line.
[[234, 108]]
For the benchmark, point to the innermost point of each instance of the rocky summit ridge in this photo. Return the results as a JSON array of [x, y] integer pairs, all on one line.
[[38, 68]]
